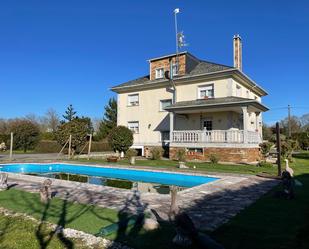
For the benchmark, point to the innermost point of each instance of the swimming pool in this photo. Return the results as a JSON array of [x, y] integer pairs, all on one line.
[[132, 175]]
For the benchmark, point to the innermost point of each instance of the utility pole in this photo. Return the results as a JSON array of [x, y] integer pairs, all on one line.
[[289, 121], [278, 145]]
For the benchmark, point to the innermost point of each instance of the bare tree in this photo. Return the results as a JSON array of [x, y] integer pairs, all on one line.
[[51, 119]]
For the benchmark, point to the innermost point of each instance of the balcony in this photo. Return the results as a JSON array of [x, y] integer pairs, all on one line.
[[216, 136]]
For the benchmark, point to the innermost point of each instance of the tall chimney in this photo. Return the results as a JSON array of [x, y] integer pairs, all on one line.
[[237, 47]]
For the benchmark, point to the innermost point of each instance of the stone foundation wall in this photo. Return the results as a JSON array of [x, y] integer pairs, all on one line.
[[235, 155]]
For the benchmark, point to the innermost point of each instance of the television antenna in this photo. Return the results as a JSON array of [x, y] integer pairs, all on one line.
[[180, 38]]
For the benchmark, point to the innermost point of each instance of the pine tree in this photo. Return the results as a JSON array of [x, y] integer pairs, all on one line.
[[109, 120], [69, 113]]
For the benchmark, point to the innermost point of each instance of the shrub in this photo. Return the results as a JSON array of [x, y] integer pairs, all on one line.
[[181, 155], [120, 138], [214, 158], [26, 134], [265, 148], [156, 153], [274, 138], [47, 136], [5, 138], [287, 147], [100, 146], [265, 164], [47, 146], [131, 153], [78, 128], [303, 139]]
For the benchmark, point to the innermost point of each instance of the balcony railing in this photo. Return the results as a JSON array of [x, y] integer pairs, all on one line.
[[215, 136]]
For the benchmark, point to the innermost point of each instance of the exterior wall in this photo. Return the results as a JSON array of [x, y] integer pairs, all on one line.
[[147, 113], [152, 120], [165, 63], [235, 155], [190, 91], [221, 121], [222, 88], [244, 91]]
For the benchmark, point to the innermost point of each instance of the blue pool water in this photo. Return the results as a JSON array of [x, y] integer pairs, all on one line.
[[181, 180]]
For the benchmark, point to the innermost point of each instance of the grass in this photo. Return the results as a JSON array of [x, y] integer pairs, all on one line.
[[199, 166], [18, 233], [271, 222], [87, 218]]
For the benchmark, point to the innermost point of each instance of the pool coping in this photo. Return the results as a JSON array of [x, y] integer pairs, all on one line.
[[141, 168], [66, 183], [209, 205]]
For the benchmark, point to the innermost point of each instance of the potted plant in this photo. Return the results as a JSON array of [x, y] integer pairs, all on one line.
[[131, 154], [112, 159], [181, 157]]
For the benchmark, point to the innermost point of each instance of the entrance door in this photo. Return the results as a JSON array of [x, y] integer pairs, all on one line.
[[207, 124]]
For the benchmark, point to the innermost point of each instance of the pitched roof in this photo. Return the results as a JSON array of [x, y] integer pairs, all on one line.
[[202, 67], [215, 102], [208, 67]]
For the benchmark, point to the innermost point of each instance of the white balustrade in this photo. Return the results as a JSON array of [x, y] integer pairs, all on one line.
[[214, 136]]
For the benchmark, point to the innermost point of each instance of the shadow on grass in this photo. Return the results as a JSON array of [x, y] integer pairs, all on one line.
[[264, 218]]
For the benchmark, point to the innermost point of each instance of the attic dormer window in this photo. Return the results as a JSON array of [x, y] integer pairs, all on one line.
[[159, 73], [175, 69]]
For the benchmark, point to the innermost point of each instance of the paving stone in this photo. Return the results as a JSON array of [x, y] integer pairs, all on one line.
[[209, 205]]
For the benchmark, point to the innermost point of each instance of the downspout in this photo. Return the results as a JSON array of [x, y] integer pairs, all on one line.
[[172, 82]]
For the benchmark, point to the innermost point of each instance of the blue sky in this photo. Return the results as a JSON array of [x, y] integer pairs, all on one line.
[[56, 53]]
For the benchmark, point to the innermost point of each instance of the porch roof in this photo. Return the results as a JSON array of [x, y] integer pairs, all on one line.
[[215, 103]]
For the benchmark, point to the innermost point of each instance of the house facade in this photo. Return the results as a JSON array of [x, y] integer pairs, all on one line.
[[204, 107]]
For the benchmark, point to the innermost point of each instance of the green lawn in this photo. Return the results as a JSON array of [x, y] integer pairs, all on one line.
[[87, 218], [271, 222], [18, 233], [199, 166]]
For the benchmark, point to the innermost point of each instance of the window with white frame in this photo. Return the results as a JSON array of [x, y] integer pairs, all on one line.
[[133, 126], [238, 91], [205, 92], [159, 73], [165, 103], [133, 99], [175, 69]]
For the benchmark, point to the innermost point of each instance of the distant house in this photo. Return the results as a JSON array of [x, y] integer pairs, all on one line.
[[205, 107]]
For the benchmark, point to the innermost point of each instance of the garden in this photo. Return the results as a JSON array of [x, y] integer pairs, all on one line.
[[271, 222]]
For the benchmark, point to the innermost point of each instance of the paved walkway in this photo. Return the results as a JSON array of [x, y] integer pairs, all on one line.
[[209, 205], [32, 157]]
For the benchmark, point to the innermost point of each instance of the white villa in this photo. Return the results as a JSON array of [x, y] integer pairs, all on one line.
[[204, 107]]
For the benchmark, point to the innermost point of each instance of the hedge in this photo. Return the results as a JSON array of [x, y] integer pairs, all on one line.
[[49, 146], [5, 138]]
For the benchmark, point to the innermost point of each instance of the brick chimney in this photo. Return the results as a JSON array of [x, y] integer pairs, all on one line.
[[237, 48]]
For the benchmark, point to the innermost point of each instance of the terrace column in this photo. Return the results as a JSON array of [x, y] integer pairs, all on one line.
[[171, 125], [257, 121], [245, 122], [257, 125]]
